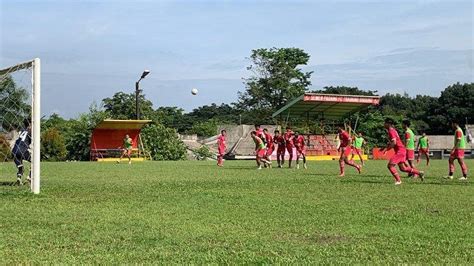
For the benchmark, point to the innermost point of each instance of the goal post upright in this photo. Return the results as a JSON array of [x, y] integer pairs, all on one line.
[[36, 126]]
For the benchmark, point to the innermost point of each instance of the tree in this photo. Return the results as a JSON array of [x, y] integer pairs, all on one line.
[[206, 128], [53, 147], [276, 79], [163, 143], [14, 108], [456, 102], [122, 106], [346, 91]]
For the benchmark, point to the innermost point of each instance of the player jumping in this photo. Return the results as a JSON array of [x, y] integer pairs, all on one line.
[[400, 154], [221, 147], [289, 136], [300, 145], [280, 141], [127, 149], [423, 147], [346, 150], [21, 152], [457, 152], [359, 141], [259, 151]]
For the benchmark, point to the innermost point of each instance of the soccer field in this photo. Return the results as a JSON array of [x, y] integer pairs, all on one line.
[[194, 212]]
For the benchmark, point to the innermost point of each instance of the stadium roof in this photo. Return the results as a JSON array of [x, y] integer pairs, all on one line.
[[122, 124], [326, 106]]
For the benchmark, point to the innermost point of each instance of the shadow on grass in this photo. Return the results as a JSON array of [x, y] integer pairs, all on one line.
[[6, 183]]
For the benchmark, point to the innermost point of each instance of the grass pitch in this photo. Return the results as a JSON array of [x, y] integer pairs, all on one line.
[[194, 212]]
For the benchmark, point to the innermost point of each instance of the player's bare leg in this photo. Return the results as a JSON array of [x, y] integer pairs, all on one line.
[[404, 167], [427, 155], [394, 172], [297, 162], [463, 168], [304, 162], [451, 168], [361, 159], [353, 164], [259, 165]]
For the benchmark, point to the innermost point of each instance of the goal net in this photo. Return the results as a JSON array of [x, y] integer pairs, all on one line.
[[20, 120]]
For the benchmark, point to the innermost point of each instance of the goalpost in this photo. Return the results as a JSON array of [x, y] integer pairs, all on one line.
[[20, 100]]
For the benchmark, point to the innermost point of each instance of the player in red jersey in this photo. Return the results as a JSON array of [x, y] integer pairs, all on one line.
[[400, 154], [289, 136], [346, 150], [300, 145], [280, 141], [221, 147], [260, 133], [270, 145], [259, 150]]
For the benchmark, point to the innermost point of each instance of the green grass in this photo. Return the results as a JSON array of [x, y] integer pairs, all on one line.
[[194, 212]]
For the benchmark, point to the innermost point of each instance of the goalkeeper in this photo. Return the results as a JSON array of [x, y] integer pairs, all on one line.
[[21, 152]]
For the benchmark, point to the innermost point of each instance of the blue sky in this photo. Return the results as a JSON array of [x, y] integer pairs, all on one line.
[[92, 49]]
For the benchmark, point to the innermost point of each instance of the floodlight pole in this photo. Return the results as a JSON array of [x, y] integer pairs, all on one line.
[[137, 93]]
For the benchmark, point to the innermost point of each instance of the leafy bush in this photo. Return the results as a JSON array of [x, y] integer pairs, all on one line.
[[163, 143], [5, 152], [53, 146], [203, 153]]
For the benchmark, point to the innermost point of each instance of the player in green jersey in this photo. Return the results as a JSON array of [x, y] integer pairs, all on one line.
[[457, 152], [127, 149], [409, 143], [358, 143], [423, 147]]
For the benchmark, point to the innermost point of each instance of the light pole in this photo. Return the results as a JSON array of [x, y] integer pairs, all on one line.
[[137, 93]]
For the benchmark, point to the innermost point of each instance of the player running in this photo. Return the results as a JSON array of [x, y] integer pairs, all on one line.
[[289, 136], [259, 151], [346, 150], [270, 145], [300, 145], [221, 147], [127, 149], [359, 141], [21, 152], [457, 152], [423, 147], [280, 141], [400, 154], [409, 143]]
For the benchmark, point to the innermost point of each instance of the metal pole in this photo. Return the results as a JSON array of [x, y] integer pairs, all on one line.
[[137, 94], [36, 124]]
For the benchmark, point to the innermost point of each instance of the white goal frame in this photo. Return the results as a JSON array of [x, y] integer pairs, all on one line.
[[35, 65]]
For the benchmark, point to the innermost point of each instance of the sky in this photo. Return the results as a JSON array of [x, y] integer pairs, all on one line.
[[91, 49]]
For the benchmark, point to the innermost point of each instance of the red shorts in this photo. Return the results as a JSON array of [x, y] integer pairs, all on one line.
[[399, 157], [281, 150], [356, 151], [261, 153], [424, 151], [301, 152], [221, 151], [411, 155], [457, 154], [270, 150], [346, 151]]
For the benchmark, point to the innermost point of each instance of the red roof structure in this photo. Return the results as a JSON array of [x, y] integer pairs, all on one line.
[[326, 106], [107, 137]]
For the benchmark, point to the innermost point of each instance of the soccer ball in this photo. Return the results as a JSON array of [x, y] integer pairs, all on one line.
[[194, 91]]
